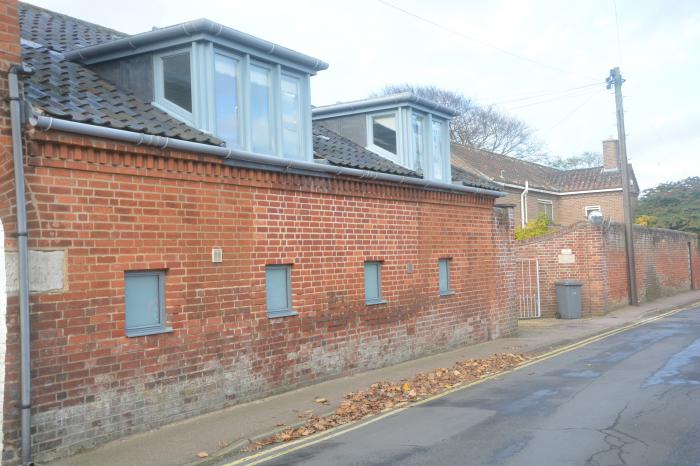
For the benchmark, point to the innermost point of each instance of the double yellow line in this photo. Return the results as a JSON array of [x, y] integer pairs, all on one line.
[[290, 447]]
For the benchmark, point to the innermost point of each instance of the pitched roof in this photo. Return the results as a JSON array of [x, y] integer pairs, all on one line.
[[66, 90], [341, 151], [71, 91], [61, 32], [504, 169]]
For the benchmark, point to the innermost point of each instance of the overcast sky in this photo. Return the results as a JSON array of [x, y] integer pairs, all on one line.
[[473, 47]]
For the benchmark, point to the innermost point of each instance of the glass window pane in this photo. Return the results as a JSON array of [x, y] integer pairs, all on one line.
[[372, 285], [142, 300], [177, 82], [226, 98], [261, 109], [276, 286], [438, 151], [291, 116], [418, 140], [384, 132], [444, 275]]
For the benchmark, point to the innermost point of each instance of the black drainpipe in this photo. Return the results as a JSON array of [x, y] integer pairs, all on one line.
[[16, 103]]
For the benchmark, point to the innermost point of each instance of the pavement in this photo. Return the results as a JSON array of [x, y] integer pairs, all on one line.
[[222, 433], [630, 399]]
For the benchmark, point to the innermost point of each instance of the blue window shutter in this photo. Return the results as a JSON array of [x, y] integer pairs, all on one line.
[[373, 287], [278, 288], [144, 302]]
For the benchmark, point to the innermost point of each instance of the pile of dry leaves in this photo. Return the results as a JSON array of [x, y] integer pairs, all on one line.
[[382, 396]]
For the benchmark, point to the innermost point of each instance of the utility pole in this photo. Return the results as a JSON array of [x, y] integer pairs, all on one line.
[[615, 80]]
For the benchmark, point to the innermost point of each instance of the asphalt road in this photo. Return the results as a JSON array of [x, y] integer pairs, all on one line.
[[631, 399]]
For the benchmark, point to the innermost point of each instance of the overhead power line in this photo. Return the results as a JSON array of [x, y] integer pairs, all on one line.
[[479, 41], [553, 99], [546, 94], [572, 112]]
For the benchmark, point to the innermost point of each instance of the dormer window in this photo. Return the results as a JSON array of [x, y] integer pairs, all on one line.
[[228, 98], [250, 93], [253, 105], [403, 128], [383, 134], [174, 83]]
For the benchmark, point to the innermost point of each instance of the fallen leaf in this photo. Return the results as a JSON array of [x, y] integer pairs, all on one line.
[[321, 400], [203, 454]]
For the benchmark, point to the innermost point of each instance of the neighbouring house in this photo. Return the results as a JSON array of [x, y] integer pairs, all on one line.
[[565, 196], [195, 241]]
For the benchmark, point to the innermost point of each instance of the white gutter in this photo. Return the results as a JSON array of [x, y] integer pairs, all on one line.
[[523, 205], [554, 193], [264, 162]]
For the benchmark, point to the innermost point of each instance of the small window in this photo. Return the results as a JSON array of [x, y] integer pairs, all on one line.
[[592, 208], [278, 286], [444, 276], [261, 109], [226, 103], [545, 207], [438, 154], [145, 303], [177, 80], [373, 282], [384, 132]]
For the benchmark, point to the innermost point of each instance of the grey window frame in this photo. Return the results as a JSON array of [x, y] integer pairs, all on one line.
[[159, 90], [370, 135], [379, 299], [289, 311], [448, 291], [161, 327]]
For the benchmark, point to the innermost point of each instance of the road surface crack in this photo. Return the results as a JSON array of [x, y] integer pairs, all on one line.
[[616, 441]]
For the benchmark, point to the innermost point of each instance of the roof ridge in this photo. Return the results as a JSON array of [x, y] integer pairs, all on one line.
[[488, 152]]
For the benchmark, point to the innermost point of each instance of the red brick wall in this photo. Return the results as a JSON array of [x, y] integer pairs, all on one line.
[[661, 259], [113, 208], [662, 262], [584, 240]]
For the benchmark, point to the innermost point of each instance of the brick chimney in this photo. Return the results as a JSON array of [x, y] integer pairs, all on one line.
[[611, 149]]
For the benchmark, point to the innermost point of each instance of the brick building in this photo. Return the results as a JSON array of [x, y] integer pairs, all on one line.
[[566, 196], [195, 241]]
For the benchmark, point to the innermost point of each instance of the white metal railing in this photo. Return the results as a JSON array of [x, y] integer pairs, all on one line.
[[527, 283]]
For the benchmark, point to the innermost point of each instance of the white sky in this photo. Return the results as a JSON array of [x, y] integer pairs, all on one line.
[[369, 44]]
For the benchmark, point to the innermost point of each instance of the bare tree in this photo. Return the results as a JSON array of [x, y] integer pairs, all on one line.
[[585, 160], [483, 128]]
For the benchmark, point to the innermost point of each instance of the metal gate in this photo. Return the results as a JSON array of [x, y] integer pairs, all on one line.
[[527, 284]]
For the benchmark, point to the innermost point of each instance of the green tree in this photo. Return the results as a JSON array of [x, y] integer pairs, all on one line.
[[534, 228], [674, 205]]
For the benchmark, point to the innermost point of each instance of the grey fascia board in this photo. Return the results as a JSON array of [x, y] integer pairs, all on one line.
[[376, 103], [133, 44], [263, 162]]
